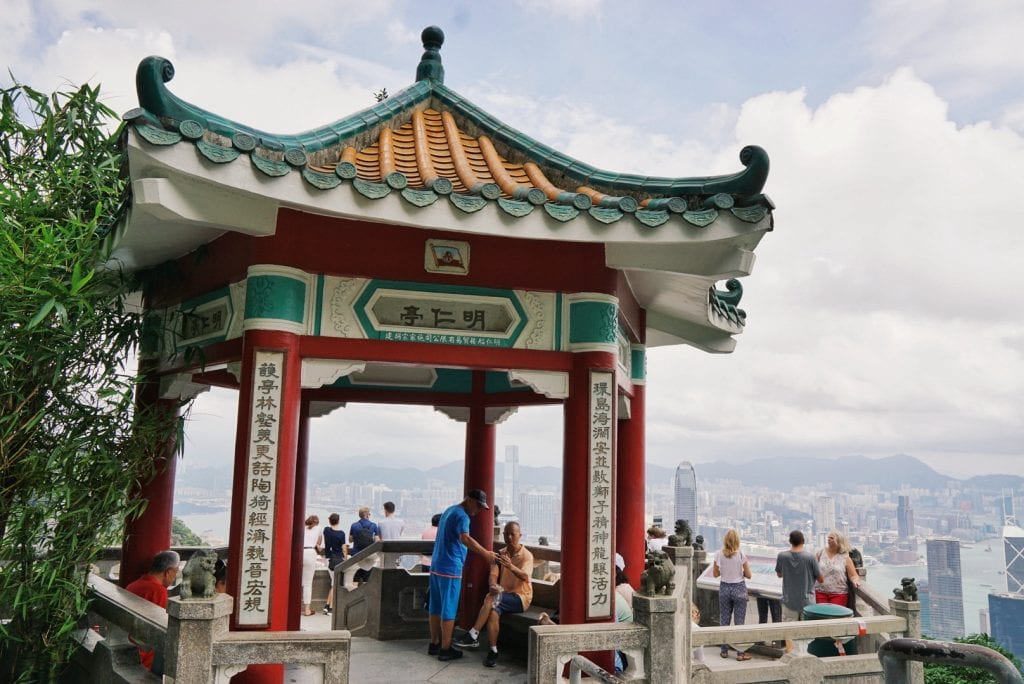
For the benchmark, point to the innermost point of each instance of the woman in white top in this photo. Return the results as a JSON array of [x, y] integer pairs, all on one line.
[[837, 570], [732, 568], [656, 538], [312, 542]]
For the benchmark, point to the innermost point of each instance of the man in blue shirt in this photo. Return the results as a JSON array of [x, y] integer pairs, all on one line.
[[363, 533], [446, 563]]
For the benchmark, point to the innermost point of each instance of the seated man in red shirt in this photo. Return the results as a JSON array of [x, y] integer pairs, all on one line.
[[153, 587]]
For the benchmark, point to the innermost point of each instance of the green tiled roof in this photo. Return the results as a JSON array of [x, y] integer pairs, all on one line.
[[461, 152]]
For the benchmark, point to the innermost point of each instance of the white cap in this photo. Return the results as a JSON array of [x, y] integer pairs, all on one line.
[[620, 562]]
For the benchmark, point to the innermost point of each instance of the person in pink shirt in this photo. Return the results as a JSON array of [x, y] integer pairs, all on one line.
[[429, 534]]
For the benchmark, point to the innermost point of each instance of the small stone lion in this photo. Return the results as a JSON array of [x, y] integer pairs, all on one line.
[[698, 543], [197, 579], [857, 558], [683, 535], [657, 578], [907, 590]]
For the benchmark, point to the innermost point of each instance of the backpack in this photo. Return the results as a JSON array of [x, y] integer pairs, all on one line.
[[363, 536]]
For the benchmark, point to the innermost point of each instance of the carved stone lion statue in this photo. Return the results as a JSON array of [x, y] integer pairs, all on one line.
[[907, 590], [683, 535], [657, 578], [698, 543], [197, 579]]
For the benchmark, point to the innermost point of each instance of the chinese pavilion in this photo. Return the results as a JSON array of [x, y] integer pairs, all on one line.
[[418, 252]]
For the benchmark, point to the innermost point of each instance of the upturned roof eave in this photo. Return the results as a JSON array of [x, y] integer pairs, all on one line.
[[159, 105]]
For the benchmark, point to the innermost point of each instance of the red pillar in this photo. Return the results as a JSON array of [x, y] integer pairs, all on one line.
[[301, 477], [479, 474], [150, 533], [630, 488], [576, 494], [283, 511]]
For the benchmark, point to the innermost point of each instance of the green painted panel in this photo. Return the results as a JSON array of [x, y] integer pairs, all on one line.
[[593, 322], [639, 363], [319, 308], [275, 296]]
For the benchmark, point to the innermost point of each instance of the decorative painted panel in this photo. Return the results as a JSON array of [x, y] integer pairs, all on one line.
[[593, 322], [279, 298], [419, 312], [639, 364]]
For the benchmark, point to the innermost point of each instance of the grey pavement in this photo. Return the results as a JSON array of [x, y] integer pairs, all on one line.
[[406, 661]]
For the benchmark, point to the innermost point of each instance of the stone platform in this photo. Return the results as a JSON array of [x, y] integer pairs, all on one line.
[[406, 660]]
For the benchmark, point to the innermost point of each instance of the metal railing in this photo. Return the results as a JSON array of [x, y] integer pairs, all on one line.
[[897, 654]]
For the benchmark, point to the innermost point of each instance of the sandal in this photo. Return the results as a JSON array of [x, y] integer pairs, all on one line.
[[742, 656]]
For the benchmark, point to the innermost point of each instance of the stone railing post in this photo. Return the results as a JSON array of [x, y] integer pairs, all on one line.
[[192, 627], [911, 612], [684, 558], [658, 615]]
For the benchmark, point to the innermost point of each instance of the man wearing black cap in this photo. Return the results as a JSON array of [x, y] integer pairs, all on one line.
[[446, 563]]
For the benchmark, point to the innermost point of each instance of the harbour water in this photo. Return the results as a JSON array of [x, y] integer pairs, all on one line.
[[979, 569]]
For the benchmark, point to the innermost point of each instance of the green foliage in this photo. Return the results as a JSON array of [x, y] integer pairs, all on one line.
[[71, 447], [182, 534], [945, 674]]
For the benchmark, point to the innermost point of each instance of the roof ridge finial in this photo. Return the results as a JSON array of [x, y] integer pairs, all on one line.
[[430, 67]]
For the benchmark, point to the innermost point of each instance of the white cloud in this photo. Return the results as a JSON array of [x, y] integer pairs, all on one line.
[[581, 10], [974, 48]]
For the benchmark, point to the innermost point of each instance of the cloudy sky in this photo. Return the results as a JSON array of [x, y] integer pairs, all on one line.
[[881, 313]]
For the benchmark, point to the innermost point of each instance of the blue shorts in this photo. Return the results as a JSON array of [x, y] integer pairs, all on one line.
[[444, 596], [508, 603]]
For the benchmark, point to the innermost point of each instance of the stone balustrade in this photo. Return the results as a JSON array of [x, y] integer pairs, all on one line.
[[195, 641]]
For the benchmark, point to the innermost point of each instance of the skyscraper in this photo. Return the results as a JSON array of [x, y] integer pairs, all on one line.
[[1013, 549], [1006, 616], [904, 518], [945, 586], [510, 489], [824, 519], [686, 494], [1009, 510]]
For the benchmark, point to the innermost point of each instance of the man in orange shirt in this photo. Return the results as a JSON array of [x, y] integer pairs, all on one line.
[[510, 592], [153, 587]]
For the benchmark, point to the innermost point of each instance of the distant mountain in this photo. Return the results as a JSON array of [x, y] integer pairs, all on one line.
[[995, 482], [785, 473], [780, 474]]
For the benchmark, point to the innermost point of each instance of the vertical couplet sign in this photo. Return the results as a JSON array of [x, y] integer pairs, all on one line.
[[261, 490], [600, 580]]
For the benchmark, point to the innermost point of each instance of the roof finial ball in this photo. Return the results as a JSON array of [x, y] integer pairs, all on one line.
[[430, 66]]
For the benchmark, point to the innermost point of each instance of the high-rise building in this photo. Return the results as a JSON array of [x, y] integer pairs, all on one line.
[[1009, 510], [1013, 550], [510, 489], [824, 519], [1006, 616], [685, 495], [945, 586], [540, 513], [904, 518], [984, 626]]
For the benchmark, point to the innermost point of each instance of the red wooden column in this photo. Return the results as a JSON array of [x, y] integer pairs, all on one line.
[[479, 474], [577, 497], [630, 487], [301, 477], [263, 500], [150, 533]]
